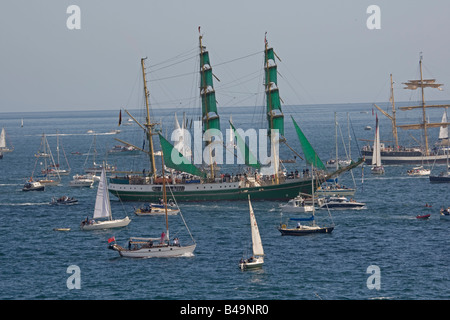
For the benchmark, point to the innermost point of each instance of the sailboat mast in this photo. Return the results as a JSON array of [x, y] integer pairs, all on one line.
[[148, 123], [394, 121], [336, 140], [165, 195], [423, 108]]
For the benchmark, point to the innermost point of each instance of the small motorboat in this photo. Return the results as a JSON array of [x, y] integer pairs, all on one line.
[[419, 171], [445, 214], [64, 200], [342, 203], [423, 217], [82, 181], [61, 229], [298, 204], [33, 186], [154, 209]]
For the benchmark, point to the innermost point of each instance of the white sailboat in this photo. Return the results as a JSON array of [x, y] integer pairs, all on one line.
[[3, 147], [103, 210], [376, 157], [156, 247], [443, 131], [257, 259]]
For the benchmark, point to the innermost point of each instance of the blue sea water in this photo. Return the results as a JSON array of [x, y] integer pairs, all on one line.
[[412, 255]]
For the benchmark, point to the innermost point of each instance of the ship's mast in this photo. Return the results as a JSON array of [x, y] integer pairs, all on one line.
[[270, 111], [393, 117], [394, 121], [423, 108], [203, 90], [210, 116], [423, 83], [148, 124]]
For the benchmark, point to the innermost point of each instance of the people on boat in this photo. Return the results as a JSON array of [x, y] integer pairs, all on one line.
[[176, 242]]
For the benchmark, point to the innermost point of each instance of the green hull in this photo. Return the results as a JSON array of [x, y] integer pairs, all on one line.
[[283, 191]]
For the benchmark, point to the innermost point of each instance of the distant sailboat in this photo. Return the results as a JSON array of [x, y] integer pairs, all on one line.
[[257, 259], [3, 146], [443, 131], [103, 210], [376, 157], [45, 153]]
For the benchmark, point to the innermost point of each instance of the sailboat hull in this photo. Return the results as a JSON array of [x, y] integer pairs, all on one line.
[[405, 157], [208, 191], [304, 230], [255, 264], [159, 251], [440, 179], [109, 224]]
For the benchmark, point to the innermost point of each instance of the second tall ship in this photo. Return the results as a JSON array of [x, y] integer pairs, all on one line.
[[423, 153]]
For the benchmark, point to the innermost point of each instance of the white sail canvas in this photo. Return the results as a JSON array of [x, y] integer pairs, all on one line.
[[102, 204], [3, 139], [376, 158], [256, 238], [443, 131]]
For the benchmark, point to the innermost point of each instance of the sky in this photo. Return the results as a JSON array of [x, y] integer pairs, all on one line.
[[328, 54]]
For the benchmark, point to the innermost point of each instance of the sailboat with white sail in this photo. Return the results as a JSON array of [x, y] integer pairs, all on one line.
[[4, 148], [377, 167], [257, 259], [103, 210]]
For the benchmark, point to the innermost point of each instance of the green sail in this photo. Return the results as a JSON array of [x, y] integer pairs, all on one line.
[[311, 156], [210, 115], [275, 115], [170, 154], [249, 158]]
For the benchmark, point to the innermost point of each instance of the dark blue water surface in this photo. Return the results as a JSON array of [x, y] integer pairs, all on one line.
[[412, 255]]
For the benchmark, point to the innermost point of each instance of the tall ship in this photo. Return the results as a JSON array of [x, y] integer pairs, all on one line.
[[191, 182], [424, 152]]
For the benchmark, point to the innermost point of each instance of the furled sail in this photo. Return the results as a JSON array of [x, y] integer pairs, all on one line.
[[210, 116], [181, 163], [275, 115], [311, 156]]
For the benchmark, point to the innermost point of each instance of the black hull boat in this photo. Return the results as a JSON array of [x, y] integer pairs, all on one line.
[[304, 230]]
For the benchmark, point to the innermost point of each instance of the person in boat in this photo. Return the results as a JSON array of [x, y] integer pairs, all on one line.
[[176, 242], [299, 225]]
